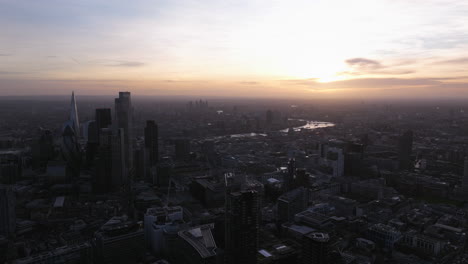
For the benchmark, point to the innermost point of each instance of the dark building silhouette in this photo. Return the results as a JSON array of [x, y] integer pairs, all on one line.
[[302, 178], [71, 150], [316, 248], [42, 149], [103, 118], [163, 173], [289, 180], [10, 166], [405, 146], [291, 203], [7, 211], [151, 142], [93, 141], [119, 159], [242, 223], [124, 120], [182, 148], [103, 176]]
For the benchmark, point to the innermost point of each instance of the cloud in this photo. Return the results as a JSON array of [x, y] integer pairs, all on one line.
[[382, 72], [12, 72], [363, 63], [249, 83], [463, 60], [126, 64], [437, 85], [4, 55], [363, 66]]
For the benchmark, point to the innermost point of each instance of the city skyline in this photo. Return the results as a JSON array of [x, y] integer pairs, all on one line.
[[299, 49]]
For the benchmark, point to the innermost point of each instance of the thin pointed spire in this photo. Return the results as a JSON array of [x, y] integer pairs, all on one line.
[[74, 115]]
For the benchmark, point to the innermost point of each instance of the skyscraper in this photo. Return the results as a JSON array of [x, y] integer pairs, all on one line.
[[74, 116], [103, 118], [124, 118], [151, 142], [405, 146], [103, 177], [71, 150], [7, 211], [119, 165], [242, 223], [111, 170]]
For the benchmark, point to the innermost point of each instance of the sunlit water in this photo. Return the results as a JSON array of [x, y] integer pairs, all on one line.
[[310, 125]]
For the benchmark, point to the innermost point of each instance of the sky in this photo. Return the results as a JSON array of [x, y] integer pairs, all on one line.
[[239, 48]]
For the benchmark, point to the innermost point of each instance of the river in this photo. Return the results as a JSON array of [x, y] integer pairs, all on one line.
[[310, 125]]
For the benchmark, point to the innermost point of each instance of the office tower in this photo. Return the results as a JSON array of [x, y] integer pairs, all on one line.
[[71, 150], [119, 165], [182, 149], [7, 211], [103, 118], [42, 149], [124, 120], [242, 223], [405, 146], [90, 133], [151, 142], [291, 203], [103, 177], [162, 177], [140, 167], [316, 248], [197, 245], [119, 241]]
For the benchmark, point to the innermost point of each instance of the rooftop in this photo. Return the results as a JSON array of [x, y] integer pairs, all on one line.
[[201, 239]]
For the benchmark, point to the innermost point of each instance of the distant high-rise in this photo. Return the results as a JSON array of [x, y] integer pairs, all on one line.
[[242, 223], [7, 211], [103, 118], [151, 142], [92, 141], [119, 165], [316, 248], [124, 118], [74, 115], [103, 177], [405, 146], [111, 172], [71, 150]]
